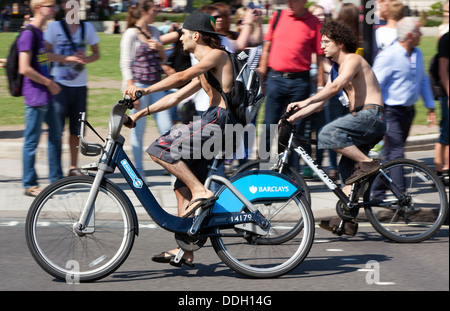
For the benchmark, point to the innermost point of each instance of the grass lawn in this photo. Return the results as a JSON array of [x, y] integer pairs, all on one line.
[[106, 71]]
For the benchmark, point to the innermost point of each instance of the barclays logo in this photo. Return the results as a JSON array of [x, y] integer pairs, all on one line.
[[254, 189]]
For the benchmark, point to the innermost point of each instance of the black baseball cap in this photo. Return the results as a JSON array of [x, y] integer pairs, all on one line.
[[201, 21]]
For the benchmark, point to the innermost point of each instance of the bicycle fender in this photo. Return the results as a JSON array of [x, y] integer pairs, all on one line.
[[255, 186]]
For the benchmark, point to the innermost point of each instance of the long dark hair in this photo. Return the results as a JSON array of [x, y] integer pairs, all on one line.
[[212, 40], [135, 11]]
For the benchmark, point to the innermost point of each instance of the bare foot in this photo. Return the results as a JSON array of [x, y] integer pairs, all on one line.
[[198, 200]]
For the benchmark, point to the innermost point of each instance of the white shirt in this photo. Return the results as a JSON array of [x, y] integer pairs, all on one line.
[[385, 37], [65, 73]]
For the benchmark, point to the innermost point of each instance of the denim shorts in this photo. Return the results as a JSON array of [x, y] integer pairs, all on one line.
[[366, 127]]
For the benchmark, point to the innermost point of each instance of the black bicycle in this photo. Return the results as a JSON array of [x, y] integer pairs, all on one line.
[[405, 201], [82, 228]]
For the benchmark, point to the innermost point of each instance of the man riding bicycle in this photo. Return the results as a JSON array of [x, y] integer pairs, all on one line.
[[354, 134], [199, 38]]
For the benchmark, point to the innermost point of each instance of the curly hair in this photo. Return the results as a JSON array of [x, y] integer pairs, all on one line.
[[341, 34]]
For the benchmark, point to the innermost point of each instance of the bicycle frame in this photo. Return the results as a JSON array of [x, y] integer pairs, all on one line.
[[347, 200], [312, 164]]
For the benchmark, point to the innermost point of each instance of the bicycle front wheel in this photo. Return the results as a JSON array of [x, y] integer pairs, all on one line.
[[255, 255], [408, 203], [104, 244]]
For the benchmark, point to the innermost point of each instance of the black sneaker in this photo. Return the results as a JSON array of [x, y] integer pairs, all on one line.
[[363, 169], [350, 227]]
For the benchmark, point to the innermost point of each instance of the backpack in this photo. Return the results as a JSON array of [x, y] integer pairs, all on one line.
[[435, 81], [15, 79], [245, 97]]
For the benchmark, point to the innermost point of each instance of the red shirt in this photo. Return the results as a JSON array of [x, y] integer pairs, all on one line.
[[293, 41]]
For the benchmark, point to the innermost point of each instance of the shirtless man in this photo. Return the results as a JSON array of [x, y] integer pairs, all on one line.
[[364, 125], [200, 38]]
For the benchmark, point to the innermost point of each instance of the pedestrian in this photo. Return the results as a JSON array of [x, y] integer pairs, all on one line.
[[250, 33], [363, 126], [444, 27], [141, 57], [66, 44], [315, 121], [6, 16], [387, 35], [401, 73], [38, 90], [377, 19], [441, 150], [200, 38], [292, 38]]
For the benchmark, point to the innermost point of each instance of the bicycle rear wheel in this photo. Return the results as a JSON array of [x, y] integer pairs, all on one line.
[[257, 256], [103, 246], [412, 207]]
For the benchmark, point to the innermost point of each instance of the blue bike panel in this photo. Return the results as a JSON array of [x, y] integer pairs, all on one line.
[[255, 185]]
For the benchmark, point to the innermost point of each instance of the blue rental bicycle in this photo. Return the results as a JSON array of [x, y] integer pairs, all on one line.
[[83, 227]]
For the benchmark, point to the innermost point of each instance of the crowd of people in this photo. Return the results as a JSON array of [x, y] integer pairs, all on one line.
[[290, 57]]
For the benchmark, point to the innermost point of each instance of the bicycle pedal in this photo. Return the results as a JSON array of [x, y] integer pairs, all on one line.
[[178, 256], [198, 219]]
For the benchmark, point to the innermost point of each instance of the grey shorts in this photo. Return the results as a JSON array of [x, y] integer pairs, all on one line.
[[365, 128]]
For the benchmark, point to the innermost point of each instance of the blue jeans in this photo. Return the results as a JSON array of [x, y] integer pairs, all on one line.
[[280, 92], [34, 117], [163, 122]]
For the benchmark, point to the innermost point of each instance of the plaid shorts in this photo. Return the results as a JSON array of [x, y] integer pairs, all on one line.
[[186, 142]]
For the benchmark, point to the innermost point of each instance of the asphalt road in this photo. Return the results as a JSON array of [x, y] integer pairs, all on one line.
[[366, 262]]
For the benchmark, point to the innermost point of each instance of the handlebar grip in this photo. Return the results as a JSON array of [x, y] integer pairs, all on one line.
[[138, 95]]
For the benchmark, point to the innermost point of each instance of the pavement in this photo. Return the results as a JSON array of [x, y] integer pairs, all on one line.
[[14, 204]]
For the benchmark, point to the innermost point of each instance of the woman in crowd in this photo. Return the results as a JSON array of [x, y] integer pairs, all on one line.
[[141, 56]]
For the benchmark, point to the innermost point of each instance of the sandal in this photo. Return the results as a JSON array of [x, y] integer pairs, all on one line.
[[350, 227], [162, 258], [75, 172], [204, 203], [33, 191], [182, 262]]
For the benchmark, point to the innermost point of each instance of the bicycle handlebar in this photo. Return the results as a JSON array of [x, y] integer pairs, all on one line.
[[129, 102], [298, 139], [117, 113]]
